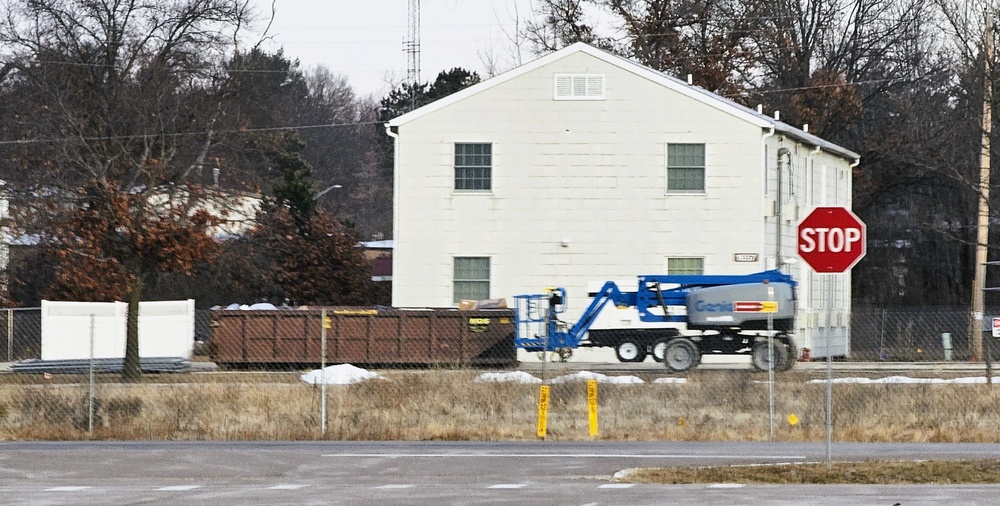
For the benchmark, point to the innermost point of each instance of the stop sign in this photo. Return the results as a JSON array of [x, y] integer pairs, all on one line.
[[831, 239]]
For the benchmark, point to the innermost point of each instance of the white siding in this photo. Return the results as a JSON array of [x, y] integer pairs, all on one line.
[[579, 192], [590, 174], [821, 179]]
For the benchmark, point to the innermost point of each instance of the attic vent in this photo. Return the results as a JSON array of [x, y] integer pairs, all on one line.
[[579, 86]]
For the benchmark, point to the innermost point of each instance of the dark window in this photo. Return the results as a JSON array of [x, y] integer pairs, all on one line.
[[474, 166], [472, 278], [685, 167]]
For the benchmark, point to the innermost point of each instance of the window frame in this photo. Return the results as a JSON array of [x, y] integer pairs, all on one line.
[[672, 168], [463, 167], [456, 280], [686, 270]]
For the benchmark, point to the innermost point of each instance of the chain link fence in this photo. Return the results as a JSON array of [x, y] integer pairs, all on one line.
[[913, 334], [446, 374], [22, 333]]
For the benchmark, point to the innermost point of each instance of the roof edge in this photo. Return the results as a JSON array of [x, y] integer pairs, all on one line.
[[691, 91]]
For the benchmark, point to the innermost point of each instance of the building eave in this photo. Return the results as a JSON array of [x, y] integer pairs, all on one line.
[[691, 91]]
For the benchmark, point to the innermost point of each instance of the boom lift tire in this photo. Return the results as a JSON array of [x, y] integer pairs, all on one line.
[[760, 357], [793, 356], [681, 354], [629, 350], [564, 354], [658, 348]]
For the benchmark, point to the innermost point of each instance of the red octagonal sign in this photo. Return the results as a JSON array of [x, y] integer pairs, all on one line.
[[831, 239]]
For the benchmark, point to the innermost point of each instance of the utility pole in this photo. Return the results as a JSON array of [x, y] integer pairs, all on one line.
[[983, 229]]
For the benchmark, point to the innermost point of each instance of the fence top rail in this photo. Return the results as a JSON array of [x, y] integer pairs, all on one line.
[[915, 309], [5, 309]]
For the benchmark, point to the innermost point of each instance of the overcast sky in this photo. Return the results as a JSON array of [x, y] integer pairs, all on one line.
[[363, 39]]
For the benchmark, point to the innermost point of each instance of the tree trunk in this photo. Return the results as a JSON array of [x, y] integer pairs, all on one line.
[[132, 372]]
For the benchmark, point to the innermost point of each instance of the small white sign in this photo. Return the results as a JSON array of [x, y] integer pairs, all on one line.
[[745, 257], [996, 327]]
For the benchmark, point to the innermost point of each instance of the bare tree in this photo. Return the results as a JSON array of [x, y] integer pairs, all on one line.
[[127, 101]]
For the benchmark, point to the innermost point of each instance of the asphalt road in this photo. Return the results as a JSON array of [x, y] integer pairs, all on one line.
[[440, 473]]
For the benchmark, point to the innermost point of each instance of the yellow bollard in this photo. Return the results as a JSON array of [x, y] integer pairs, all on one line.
[[543, 410], [592, 406]]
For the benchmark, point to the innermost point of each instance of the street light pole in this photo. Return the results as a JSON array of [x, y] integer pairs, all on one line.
[[327, 190]]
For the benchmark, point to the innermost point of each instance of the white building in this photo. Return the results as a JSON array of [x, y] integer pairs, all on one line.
[[583, 166]]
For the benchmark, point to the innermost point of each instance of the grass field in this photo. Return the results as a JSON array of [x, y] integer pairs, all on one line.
[[451, 405], [853, 473]]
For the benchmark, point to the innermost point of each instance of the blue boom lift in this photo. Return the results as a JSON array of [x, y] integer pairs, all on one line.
[[716, 310]]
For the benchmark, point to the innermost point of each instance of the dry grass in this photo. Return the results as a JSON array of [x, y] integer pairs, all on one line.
[[854, 473], [449, 405]]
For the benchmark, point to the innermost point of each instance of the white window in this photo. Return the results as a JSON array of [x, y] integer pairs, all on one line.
[[473, 166], [685, 168], [685, 265], [471, 278], [579, 87]]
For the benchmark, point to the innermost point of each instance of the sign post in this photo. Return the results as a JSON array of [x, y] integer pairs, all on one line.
[[831, 240]]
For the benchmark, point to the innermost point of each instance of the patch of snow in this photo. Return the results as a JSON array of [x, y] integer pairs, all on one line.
[[671, 381], [244, 307], [587, 375], [624, 473], [907, 380], [501, 377], [342, 374], [904, 379], [975, 380]]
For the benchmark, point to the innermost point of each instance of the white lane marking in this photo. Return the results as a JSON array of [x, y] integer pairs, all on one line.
[[726, 485], [617, 485], [66, 489], [559, 456], [395, 487], [508, 485], [287, 487], [178, 488]]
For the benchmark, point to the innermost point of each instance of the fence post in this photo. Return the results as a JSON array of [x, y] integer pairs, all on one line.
[[90, 417], [881, 337], [322, 368], [10, 335]]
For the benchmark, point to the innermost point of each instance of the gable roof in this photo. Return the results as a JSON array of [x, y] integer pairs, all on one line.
[[693, 92]]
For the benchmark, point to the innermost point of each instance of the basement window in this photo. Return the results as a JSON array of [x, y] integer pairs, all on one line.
[[685, 265], [579, 87]]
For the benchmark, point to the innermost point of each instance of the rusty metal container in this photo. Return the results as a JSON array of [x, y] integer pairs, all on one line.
[[384, 336]]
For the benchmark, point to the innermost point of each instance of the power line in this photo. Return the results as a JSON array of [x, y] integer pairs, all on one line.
[[184, 134]]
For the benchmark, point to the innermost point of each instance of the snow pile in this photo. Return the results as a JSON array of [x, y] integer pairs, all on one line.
[[343, 374], [503, 377], [258, 306], [670, 381], [587, 375], [907, 380]]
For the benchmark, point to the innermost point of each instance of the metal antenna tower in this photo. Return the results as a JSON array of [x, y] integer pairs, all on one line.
[[412, 46]]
